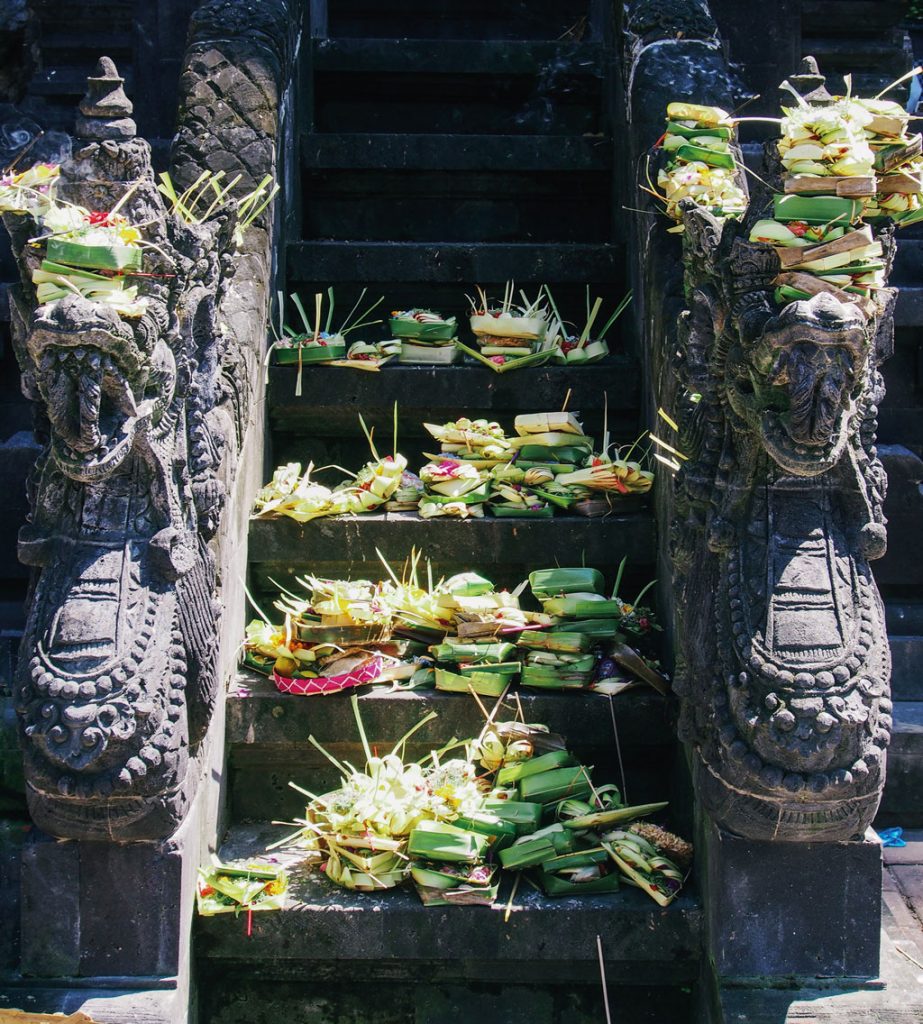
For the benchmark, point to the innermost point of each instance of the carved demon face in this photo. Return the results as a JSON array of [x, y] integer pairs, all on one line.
[[102, 380], [798, 383]]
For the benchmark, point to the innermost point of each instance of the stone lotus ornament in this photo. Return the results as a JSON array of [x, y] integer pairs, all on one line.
[[784, 668], [117, 674]]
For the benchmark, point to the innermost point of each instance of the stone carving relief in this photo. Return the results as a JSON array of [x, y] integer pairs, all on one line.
[[784, 667], [117, 674]]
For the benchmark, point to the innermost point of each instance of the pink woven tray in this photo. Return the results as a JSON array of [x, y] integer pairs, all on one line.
[[329, 684]]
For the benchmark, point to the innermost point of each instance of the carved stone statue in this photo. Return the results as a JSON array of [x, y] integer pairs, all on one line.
[[117, 675], [784, 667]]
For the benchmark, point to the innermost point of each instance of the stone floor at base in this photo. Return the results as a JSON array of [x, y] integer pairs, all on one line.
[[899, 997]]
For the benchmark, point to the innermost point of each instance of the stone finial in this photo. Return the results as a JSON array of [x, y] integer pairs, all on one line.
[[105, 109], [810, 83]]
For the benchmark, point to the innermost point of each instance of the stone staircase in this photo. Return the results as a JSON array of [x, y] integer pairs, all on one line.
[[900, 573], [430, 162]]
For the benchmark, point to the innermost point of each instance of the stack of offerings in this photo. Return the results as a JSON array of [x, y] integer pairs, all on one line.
[[563, 657], [425, 337], [824, 150], [517, 800], [456, 478], [898, 164], [700, 162], [546, 445], [508, 336], [457, 862], [336, 637], [830, 182], [583, 840], [383, 482]]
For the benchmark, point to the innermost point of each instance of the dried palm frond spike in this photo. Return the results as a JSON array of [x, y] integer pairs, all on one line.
[[678, 850]]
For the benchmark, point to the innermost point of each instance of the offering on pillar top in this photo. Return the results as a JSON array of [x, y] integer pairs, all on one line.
[[844, 160], [785, 664], [513, 799], [700, 163]]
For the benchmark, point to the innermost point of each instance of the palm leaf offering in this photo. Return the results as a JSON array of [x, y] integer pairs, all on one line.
[[452, 826], [461, 634], [508, 335]]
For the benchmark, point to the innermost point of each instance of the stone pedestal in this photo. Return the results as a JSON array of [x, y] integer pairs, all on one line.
[[790, 910]]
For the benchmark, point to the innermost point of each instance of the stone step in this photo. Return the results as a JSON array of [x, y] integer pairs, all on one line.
[[17, 457], [902, 564], [501, 547], [266, 735], [904, 616], [114, 42], [425, 152], [906, 667], [848, 17], [454, 262], [448, 19], [901, 804], [337, 934], [332, 396], [909, 309], [494, 57], [484, 207]]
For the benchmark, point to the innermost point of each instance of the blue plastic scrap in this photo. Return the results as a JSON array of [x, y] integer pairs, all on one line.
[[891, 837]]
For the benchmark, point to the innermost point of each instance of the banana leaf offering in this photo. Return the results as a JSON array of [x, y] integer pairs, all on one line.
[[425, 337], [30, 191], [442, 841], [582, 872], [549, 583], [640, 854], [229, 888], [517, 800], [542, 845], [317, 340], [487, 684], [442, 884], [586, 345], [89, 253], [508, 335]]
